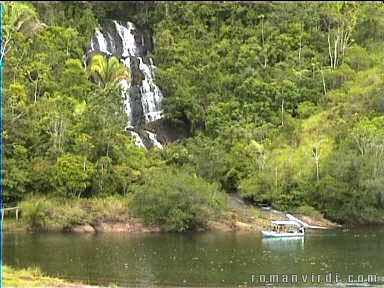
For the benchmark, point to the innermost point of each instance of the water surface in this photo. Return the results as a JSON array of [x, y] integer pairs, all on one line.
[[198, 259]]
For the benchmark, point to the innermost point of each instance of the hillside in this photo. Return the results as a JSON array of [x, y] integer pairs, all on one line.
[[280, 103]]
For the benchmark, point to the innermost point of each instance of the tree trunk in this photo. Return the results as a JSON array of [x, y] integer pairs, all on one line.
[[317, 170], [282, 112], [300, 41], [35, 94], [276, 180], [316, 156], [322, 77], [263, 41], [336, 46]]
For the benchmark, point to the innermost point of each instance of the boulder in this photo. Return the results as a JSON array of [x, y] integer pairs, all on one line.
[[86, 228]]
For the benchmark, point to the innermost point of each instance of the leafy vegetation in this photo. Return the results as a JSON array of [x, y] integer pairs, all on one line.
[[283, 103], [58, 214], [176, 200], [30, 277]]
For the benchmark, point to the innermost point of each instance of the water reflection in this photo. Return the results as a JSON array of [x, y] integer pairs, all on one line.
[[194, 259], [283, 243]]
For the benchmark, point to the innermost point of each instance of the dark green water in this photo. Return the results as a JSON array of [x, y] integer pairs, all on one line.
[[198, 259]]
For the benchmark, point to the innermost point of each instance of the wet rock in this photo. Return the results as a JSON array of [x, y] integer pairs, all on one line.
[[243, 226], [83, 229], [131, 226]]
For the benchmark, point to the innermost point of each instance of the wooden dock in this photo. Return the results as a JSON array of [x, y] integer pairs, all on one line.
[[4, 210]]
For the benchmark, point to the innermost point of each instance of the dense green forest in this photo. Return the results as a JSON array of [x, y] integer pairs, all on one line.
[[282, 103]]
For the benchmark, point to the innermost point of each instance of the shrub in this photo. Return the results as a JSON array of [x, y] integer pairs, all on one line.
[[41, 213], [308, 211], [35, 214], [111, 208], [176, 200]]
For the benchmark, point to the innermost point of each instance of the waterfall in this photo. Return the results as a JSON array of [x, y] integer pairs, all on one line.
[[152, 95], [101, 42], [142, 97], [138, 140], [153, 138], [128, 39]]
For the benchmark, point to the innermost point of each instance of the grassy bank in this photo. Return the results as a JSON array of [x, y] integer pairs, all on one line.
[[57, 214], [113, 214], [31, 277]]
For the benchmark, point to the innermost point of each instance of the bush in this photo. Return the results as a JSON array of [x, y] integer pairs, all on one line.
[[41, 213], [176, 200], [35, 214], [307, 109], [308, 211], [111, 208]]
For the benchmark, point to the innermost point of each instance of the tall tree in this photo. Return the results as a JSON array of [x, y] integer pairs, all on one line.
[[105, 70], [18, 17]]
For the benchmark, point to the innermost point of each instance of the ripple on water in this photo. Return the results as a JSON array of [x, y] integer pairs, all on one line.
[[199, 259]]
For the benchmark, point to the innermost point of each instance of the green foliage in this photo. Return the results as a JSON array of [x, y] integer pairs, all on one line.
[[176, 200], [76, 14], [104, 71], [62, 214], [19, 17], [72, 175], [16, 183], [30, 277], [282, 103], [308, 211], [35, 214]]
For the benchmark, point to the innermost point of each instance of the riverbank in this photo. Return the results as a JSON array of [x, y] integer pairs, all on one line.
[[112, 215], [33, 277], [243, 217]]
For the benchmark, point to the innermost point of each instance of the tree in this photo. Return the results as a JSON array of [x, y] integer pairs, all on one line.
[[363, 135], [176, 200], [18, 17], [316, 157], [17, 175], [339, 21], [104, 180], [106, 71], [71, 177]]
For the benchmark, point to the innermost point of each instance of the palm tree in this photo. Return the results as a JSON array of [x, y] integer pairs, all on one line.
[[105, 70]]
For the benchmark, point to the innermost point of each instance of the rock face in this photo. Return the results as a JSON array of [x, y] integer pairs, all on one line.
[[130, 225], [83, 229], [142, 97], [133, 226]]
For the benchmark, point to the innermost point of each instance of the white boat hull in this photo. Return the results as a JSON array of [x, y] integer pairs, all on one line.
[[281, 234]]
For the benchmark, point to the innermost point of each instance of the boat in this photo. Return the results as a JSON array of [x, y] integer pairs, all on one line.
[[284, 228]]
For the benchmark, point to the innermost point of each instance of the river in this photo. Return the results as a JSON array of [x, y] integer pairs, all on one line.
[[202, 259]]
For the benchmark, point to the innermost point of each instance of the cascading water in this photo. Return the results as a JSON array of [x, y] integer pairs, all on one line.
[[102, 43], [142, 97], [153, 138], [138, 140], [151, 93]]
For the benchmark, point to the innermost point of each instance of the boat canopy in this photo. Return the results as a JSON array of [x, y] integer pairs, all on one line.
[[286, 222]]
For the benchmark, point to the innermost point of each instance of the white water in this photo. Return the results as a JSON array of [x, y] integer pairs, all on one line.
[[153, 138], [151, 96], [127, 38], [101, 41], [125, 85], [138, 140]]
